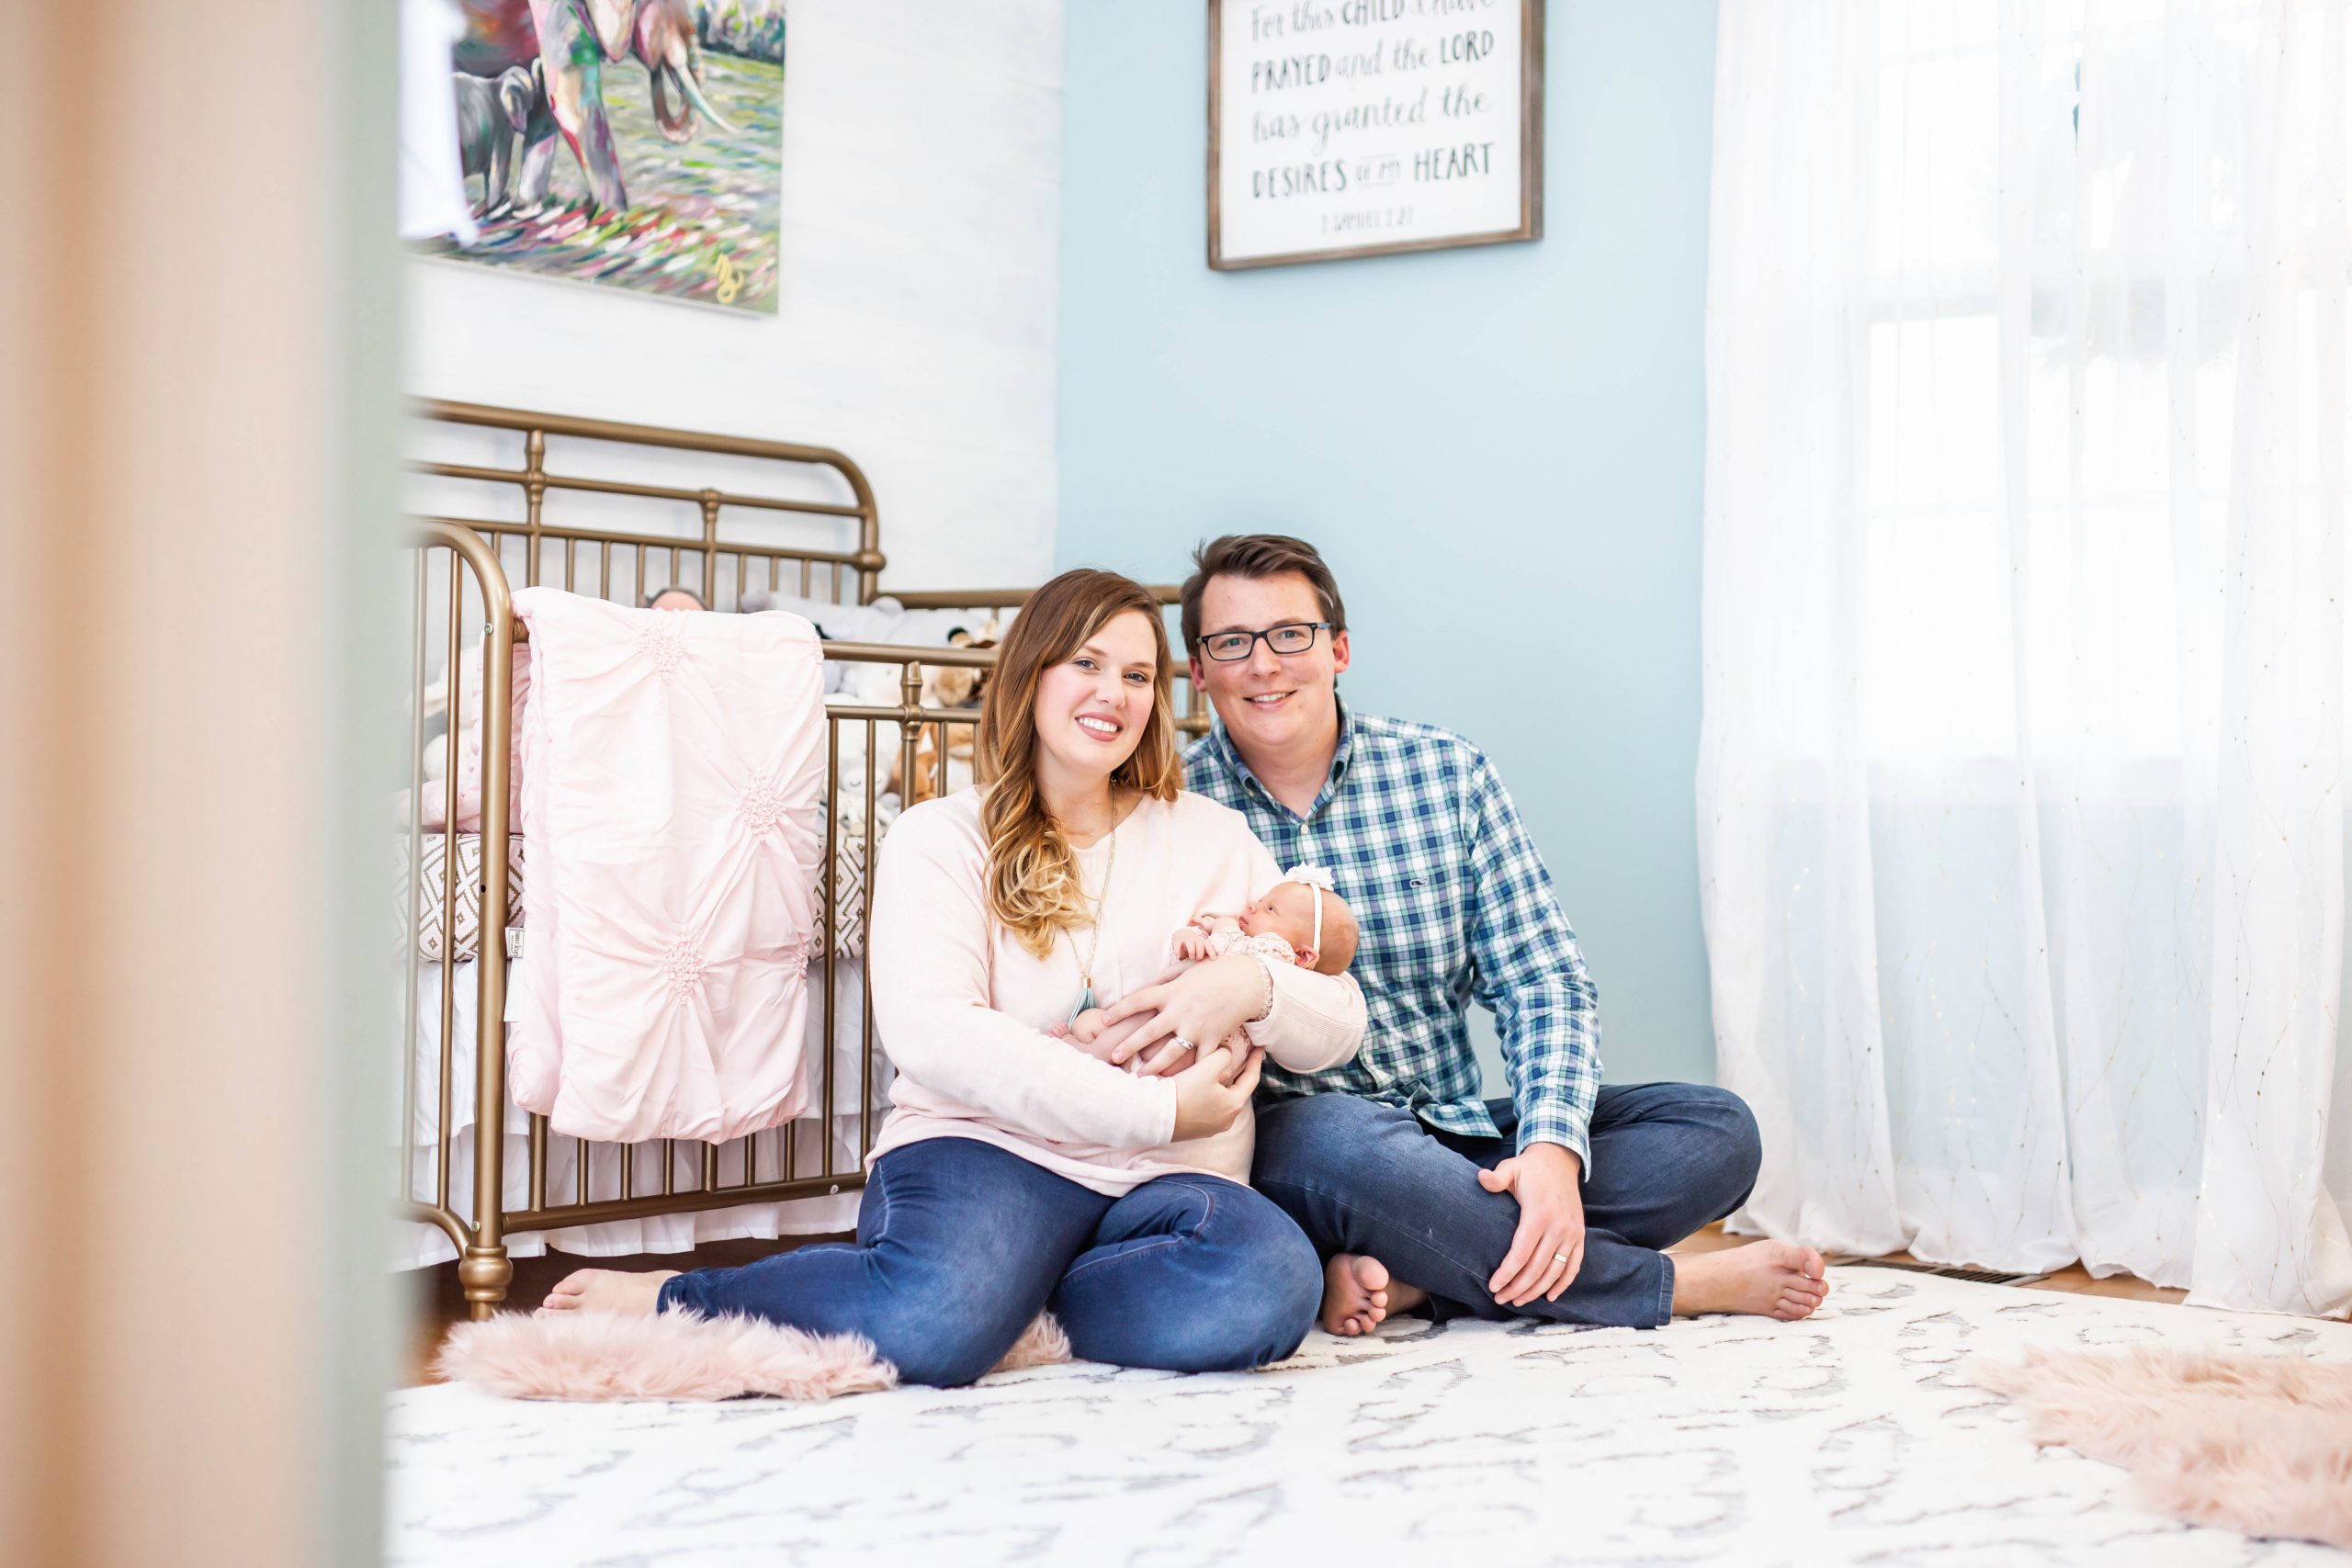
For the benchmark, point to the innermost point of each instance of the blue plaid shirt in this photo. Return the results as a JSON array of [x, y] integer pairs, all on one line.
[[1454, 906]]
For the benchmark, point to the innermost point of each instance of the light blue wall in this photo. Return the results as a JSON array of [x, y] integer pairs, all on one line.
[[1499, 449]]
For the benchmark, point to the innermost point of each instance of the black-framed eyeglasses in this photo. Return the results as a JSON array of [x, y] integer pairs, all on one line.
[[1296, 638]]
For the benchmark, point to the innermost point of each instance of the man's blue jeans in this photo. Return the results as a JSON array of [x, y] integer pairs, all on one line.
[[960, 1245], [1365, 1178]]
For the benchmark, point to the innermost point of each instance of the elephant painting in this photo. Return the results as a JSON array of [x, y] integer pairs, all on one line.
[[633, 144], [570, 42], [490, 113]]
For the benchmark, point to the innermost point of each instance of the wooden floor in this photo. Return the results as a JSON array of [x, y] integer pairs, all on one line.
[[2073, 1281], [439, 1304]]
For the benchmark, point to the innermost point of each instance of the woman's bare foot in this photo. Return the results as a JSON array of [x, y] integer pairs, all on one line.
[[608, 1290], [1770, 1279], [1358, 1294]]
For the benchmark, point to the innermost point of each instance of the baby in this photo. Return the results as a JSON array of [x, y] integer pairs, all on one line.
[[1297, 921]]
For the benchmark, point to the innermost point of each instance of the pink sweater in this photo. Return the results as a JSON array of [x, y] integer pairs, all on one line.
[[962, 1007]]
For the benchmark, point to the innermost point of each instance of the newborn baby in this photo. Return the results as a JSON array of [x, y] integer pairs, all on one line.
[[1297, 921]]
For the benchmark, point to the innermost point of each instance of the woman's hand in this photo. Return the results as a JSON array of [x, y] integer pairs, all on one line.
[[1204, 1005], [1214, 1092]]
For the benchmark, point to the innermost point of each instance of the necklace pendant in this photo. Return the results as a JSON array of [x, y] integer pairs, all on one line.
[[1085, 1000]]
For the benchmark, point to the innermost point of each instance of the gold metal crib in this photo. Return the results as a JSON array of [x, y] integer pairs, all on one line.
[[621, 511]]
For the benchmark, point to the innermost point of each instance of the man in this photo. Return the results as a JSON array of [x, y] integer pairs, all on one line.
[[1556, 1203]]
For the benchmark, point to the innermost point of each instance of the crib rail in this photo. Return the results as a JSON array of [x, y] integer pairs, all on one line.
[[711, 548]]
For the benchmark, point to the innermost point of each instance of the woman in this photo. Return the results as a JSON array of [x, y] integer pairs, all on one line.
[[1015, 1172]]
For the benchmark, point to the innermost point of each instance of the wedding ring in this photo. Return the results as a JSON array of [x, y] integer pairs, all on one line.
[[1183, 1044], [1559, 1258]]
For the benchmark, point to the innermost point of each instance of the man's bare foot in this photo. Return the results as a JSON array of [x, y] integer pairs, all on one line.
[[1358, 1294], [1355, 1294], [1770, 1279], [608, 1290]]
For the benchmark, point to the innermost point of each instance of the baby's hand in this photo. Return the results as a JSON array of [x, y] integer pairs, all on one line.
[[1085, 1034], [1191, 945]]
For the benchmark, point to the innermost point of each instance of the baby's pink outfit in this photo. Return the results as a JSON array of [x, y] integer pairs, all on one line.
[[1266, 945]]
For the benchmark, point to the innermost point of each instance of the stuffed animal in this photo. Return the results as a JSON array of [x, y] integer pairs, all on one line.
[[950, 686], [956, 685]]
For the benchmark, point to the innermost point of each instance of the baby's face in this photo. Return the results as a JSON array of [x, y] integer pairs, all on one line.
[[1288, 910]]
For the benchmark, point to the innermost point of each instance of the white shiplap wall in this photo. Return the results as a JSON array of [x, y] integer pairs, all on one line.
[[916, 333]]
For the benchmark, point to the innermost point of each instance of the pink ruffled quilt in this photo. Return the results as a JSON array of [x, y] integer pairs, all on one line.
[[672, 770]]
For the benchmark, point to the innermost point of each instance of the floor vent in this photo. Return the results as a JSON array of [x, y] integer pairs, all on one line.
[[1943, 1270]]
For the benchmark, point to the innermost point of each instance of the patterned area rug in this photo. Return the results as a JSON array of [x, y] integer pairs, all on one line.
[[1855, 1437]]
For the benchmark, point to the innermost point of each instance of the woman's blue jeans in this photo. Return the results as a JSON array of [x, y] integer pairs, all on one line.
[[960, 1245]]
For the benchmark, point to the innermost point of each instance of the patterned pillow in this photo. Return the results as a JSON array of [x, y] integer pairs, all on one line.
[[849, 896], [430, 937]]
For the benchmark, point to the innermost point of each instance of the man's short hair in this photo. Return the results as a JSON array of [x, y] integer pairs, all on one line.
[[1257, 556]]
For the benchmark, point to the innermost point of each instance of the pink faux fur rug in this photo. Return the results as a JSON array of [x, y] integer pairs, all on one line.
[[2261, 1444], [676, 1355]]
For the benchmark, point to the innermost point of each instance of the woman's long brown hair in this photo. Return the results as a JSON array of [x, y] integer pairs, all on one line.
[[1032, 873]]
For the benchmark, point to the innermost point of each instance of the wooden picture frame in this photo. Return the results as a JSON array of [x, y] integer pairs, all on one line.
[[1349, 27]]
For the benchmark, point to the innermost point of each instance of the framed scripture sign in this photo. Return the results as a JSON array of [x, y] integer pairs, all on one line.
[[1359, 128]]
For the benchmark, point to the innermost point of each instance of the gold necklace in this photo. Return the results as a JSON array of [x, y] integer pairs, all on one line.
[[1093, 942]]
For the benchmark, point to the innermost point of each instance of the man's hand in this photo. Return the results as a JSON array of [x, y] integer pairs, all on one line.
[[1205, 1005], [1548, 1247]]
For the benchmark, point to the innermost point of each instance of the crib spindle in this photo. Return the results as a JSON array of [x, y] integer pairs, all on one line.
[[909, 747], [866, 970], [832, 931]]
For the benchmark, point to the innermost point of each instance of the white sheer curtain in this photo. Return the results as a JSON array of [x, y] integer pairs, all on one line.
[[2022, 779]]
